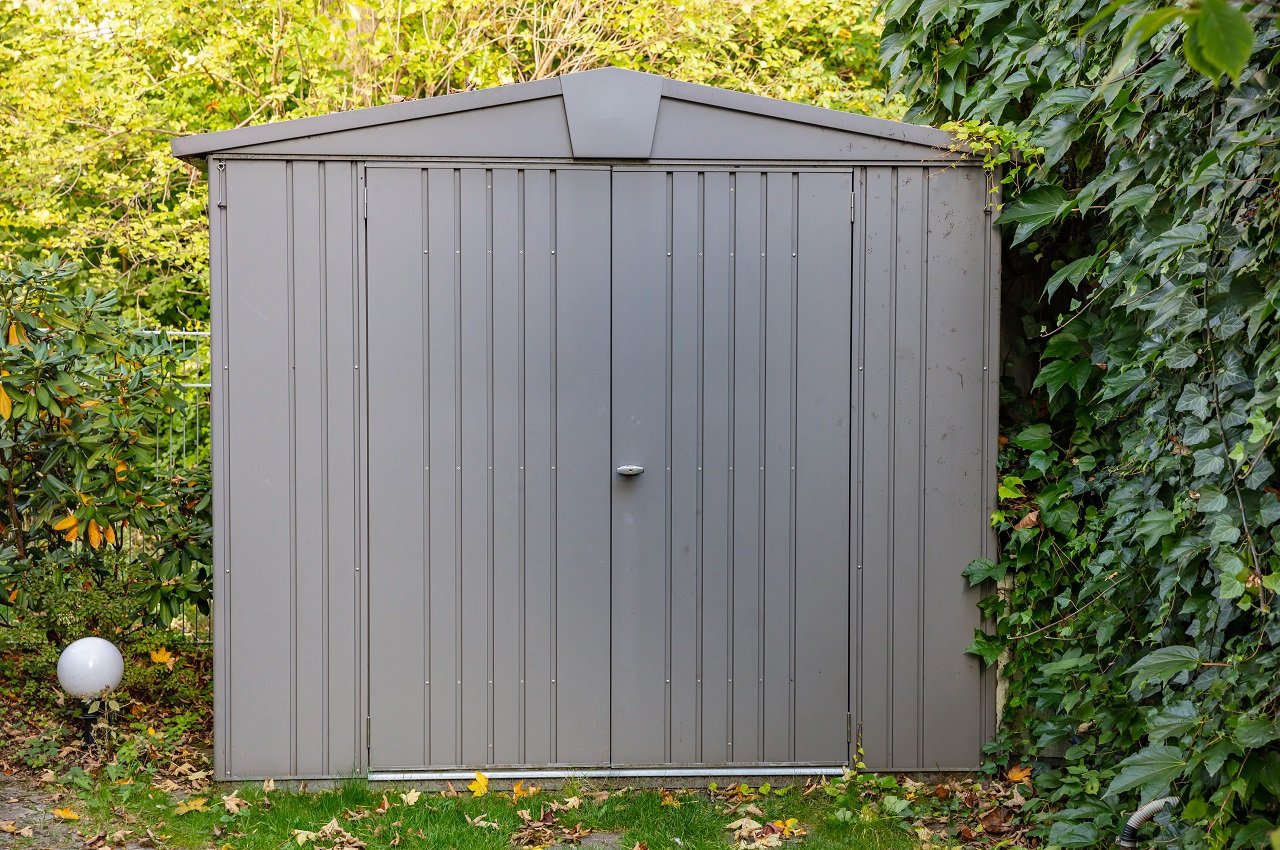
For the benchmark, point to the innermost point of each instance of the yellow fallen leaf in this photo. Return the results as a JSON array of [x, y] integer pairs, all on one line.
[[669, 799], [191, 804], [66, 522], [411, 796], [8, 826], [479, 786], [1018, 773], [518, 790], [302, 836], [65, 814], [161, 655]]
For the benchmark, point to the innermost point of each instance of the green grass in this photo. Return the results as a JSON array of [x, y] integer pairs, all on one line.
[[698, 823]]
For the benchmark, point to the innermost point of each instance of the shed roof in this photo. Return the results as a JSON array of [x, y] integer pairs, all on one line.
[[607, 113]]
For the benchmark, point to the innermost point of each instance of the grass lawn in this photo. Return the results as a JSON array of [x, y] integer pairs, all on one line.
[[682, 820]]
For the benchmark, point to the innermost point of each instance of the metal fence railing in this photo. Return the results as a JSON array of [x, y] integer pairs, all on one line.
[[182, 440]]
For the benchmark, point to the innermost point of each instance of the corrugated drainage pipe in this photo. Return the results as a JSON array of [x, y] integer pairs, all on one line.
[[1129, 837]]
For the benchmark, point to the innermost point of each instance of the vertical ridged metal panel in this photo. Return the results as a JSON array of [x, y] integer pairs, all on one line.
[[489, 501], [287, 471], [927, 393], [731, 387]]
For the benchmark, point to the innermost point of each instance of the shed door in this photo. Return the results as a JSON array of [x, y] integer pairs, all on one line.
[[731, 388], [531, 331], [488, 468]]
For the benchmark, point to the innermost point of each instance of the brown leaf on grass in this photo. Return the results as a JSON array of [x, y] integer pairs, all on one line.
[[192, 804], [480, 822], [410, 797], [268, 785], [233, 803], [668, 799]]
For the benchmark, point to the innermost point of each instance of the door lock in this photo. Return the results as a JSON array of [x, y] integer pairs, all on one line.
[[630, 469]]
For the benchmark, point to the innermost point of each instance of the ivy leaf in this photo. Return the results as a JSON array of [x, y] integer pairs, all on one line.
[[1035, 438], [1252, 731], [1158, 765], [1224, 38], [1164, 663], [983, 569], [1071, 273], [1034, 209], [1067, 834], [1155, 525], [984, 647], [1171, 721]]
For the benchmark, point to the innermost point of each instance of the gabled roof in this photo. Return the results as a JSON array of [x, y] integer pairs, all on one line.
[[608, 113]]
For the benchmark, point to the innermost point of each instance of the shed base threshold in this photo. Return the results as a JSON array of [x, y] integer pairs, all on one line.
[[454, 774]]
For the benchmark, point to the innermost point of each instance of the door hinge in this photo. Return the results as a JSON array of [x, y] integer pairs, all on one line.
[[853, 206], [368, 732], [364, 199]]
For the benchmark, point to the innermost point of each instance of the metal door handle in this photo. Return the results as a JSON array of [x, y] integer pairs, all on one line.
[[630, 469]]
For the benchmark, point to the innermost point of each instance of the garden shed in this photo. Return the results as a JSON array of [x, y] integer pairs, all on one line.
[[603, 424]]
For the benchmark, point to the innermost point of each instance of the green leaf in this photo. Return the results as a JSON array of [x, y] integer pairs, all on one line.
[[1153, 766], [1172, 721], [1163, 664], [1253, 731], [1073, 834], [1155, 525], [1034, 209], [1071, 273], [984, 647], [1035, 438], [1224, 37], [984, 569]]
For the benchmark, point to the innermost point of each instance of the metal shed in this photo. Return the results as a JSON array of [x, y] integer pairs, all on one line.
[[443, 330]]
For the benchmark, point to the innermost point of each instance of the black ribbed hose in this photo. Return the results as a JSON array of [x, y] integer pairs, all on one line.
[[1129, 837]]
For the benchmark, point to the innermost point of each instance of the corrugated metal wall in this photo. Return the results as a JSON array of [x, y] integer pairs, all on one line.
[[927, 393], [287, 469], [530, 329]]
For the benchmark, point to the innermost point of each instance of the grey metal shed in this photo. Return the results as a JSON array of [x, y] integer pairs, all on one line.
[[442, 332]]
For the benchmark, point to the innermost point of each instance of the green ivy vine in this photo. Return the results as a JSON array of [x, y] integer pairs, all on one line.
[[1135, 618]]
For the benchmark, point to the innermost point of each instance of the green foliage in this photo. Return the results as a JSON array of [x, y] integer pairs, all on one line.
[[1136, 615], [93, 91], [82, 499]]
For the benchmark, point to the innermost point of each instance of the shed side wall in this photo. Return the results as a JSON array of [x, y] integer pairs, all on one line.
[[287, 406], [927, 443]]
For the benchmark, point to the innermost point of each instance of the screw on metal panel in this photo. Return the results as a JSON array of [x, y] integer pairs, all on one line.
[[793, 253], [553, 681]]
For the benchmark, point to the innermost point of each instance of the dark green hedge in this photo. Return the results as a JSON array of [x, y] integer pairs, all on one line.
[[1138, 513]]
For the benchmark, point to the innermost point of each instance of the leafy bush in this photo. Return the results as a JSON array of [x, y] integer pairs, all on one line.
[[84, 504], [1139, 509]]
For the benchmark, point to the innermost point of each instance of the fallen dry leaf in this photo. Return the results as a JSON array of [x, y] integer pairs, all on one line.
[[233, 803], [1018, 773], [411, 796], [192, 804], [268, 785], [479, 786], [1028, 521], [480, 822], [65, 814]]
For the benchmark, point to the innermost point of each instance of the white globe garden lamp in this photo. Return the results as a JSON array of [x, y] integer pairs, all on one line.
[[90, 667]]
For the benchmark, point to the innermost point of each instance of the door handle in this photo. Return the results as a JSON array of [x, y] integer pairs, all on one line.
[[630, 469]]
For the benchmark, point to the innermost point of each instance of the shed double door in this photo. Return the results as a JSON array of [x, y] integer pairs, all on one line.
[[532, 334]]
